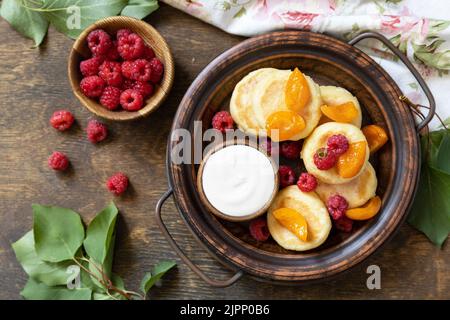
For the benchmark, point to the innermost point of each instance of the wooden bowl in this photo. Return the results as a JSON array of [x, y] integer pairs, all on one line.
[[328, 61], [153, 38], [203, 197]]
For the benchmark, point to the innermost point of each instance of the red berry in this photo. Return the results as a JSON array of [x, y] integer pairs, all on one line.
[[272, 149], [131, 100], [111, 72], [259, 230], [130, 46], [99, 42], [123, 32], [344, 224], [96, 131], [92, 86], [127, 83], [62, 120], [90, 66], [337, 143], [286, 175], [145, 88], [157, 70], [307, 182], [325, 159], [337, 206], [127, 69], [141, 70], [58, 161], [113, 54], [117, 184], [110, 98], [222, 121], [149, 54], [291, 149]]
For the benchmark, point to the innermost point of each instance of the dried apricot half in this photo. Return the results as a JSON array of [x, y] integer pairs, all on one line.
[[296, 92], [367, 211], [282, 125], [351, 161], [345, 112], [294, 221], [376, 137]]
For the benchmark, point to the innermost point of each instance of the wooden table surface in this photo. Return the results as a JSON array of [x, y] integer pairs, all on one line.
[[33, 84]]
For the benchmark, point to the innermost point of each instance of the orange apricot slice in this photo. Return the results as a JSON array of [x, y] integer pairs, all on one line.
[[367, 211], [296, 92], [294, 221], [352, 160], [282, 125], [376, 137], [324, 119], [345, 112]]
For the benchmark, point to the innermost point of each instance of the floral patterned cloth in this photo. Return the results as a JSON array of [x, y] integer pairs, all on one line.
[[421, 29]]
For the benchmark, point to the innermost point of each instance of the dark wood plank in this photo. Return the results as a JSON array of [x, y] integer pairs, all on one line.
[[34, 84]]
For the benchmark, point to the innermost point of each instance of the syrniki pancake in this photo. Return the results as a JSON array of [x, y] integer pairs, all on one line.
[[314, 211], [333, 96], [357, 192], [318, 139]]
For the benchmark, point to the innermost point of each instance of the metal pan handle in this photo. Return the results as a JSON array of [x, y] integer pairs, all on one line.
[[409, 65], [186, 260]]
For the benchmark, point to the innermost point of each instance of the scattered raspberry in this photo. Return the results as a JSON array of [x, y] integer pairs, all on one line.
[[127, 69], [145, 88], [259, 230], [92, 86], [131, 100], [111, 72], [113, 54], [337, 143], [99, 42], [110, 98], [286, 175], [325, 159], [149, 54], [96, 131], [127, 83], [90, 66], [337, 205], [222, 121], [58, 161], [157, 70], [344, 224], [117, 184], [307, 182], [141, 70], [291, 149], [62, 120], [123, 33], [130, 46], [272, 149]]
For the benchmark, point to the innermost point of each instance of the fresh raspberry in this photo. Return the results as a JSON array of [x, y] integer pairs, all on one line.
[[131, 100], [127, 83], [111, 72], [96, 131], [325, 159], [127, 69], [344, 224], [337, 143], [337, 205], [259, 230], [62, 120], [113, 54], [307, 182], [222, 121], [149, 54], [123, 33], [157, 70], [145, 88], [117, 184], [291, 149], [99, 42], [141, 70], [90, 66], [92, 86], [58, 161], [110, 98], [286, 175], [130, 46], [272, 149]]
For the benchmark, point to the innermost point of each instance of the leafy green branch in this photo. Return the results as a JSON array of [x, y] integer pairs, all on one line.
[[59, 241]]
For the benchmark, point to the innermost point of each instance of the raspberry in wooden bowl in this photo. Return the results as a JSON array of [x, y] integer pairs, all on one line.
[[121, 68]]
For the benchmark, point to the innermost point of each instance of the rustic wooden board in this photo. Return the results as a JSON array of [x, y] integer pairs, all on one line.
[[34, 83]]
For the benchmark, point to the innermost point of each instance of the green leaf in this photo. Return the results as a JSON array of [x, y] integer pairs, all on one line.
[[118, 283], [240, 13], [139, 9], [431, 208], [38, 291], [158, 271], [443, 155], [49, 273], [72, 20], [29, 23], [58, 233]]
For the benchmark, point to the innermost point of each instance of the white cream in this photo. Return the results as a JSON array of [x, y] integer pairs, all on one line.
[[238, 180]]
